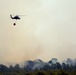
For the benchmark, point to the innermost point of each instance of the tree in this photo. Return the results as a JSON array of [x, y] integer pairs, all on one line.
[[58, 65], [17, 67], [11, 68], [3, 68]]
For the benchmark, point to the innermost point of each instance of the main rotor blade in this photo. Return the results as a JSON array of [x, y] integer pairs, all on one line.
[[18, 15], [21, 15]]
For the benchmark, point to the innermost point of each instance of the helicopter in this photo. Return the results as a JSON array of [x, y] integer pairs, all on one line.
[[16, 17]]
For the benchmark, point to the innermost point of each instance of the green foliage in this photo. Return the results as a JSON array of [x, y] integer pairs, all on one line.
[[42, 72]]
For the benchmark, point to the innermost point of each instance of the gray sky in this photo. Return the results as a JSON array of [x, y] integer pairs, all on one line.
[[48, 30]]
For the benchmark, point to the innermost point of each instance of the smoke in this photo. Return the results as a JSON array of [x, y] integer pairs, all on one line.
[[47, 31]]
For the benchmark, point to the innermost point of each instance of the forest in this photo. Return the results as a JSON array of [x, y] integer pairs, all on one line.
[[54, 69]]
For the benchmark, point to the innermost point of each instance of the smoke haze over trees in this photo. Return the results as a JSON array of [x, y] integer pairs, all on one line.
[[40, 67]]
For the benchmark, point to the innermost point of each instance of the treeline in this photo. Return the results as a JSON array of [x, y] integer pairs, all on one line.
[[54, 69]]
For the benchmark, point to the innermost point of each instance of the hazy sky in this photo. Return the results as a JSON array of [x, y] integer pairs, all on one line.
[[48, 30]]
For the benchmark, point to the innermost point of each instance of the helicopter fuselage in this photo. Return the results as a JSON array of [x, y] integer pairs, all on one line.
[[15, 17]]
